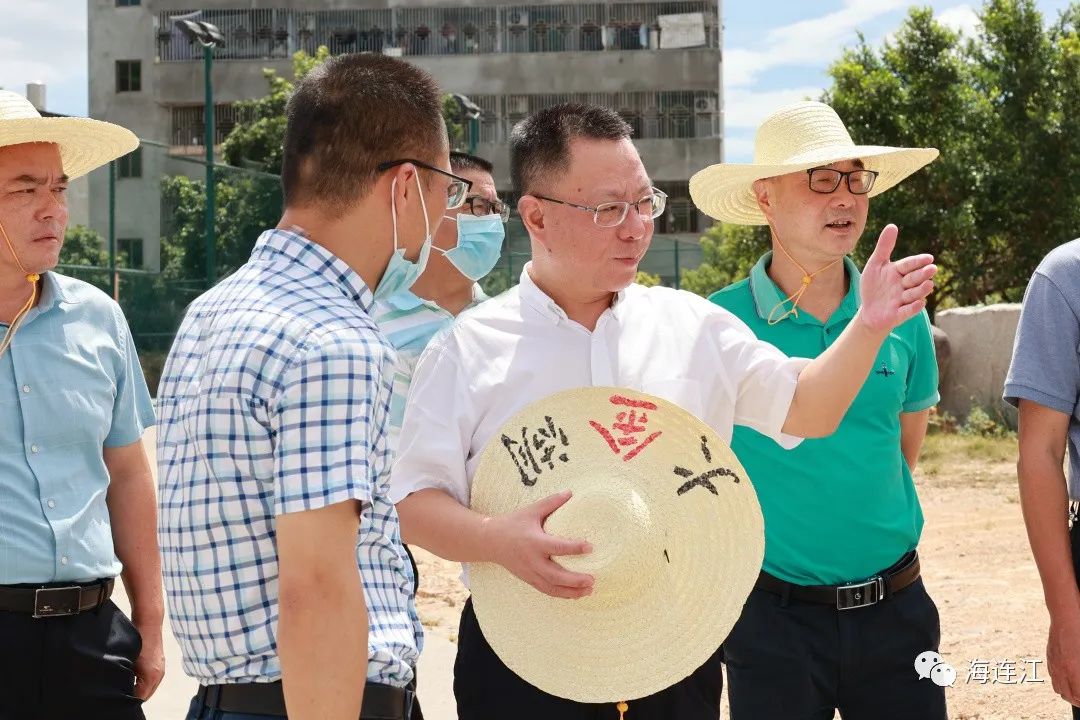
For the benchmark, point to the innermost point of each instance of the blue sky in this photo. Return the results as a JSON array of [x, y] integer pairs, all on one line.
[[775, 51]]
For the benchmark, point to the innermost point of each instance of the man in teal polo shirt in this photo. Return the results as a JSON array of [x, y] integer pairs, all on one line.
[[839, 618]]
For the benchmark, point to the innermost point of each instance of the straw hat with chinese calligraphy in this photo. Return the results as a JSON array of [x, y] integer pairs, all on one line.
[[677, 539]]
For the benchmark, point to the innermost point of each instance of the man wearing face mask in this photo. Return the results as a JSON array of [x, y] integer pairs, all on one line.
[[274, 405], [465, 249]]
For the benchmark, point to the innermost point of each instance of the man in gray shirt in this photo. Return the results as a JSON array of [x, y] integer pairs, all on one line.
[[1044, 383]]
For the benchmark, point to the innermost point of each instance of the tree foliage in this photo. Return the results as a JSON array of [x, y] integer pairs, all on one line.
[[1002, 108]]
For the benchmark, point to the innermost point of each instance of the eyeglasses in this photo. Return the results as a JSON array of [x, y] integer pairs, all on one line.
[[826, 180], [480, 206], [455, 192], [612, 214]]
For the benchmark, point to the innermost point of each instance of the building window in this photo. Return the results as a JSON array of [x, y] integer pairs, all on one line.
[[132, 251], [130, 165], [128, 3], [128, 76]]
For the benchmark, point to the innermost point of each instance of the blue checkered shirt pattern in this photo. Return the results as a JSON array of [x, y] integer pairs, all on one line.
[[275, 399]]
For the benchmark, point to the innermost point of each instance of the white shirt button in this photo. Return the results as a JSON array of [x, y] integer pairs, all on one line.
[[26, 388], [34, 448], [63, 560], [51, 503]]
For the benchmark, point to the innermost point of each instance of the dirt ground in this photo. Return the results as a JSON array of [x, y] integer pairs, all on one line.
[[976, 564]]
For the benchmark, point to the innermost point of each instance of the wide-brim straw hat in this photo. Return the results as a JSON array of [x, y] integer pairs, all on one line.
[[795, 138], [85, 144], [676, 532]]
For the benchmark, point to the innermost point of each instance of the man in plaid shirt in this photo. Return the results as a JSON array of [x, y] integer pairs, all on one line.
[[273, 456]]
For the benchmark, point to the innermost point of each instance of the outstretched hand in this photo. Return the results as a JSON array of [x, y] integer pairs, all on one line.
[[893, 291]]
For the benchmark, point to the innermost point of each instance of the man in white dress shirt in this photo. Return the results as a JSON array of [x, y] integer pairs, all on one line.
[[577, 319]]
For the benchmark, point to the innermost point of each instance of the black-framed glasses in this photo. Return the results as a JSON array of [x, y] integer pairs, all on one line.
[[612, 214], [455, 192], [826, 180], [480, 206]]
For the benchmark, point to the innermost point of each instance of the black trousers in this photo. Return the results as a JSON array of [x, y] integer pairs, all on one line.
[[801, 661], [79, 666], [485, 689]]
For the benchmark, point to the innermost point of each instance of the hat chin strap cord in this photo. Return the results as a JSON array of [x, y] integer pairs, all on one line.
[[795, 297], [31, 278], [622, 707]]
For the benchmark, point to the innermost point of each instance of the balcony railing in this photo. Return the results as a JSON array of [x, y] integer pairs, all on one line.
[[264, 34], [652, 114]]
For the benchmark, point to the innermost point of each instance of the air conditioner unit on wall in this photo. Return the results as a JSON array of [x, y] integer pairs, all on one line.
[[704, 104]]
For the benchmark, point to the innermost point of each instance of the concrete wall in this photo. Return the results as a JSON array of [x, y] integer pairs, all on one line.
[[981, 340]]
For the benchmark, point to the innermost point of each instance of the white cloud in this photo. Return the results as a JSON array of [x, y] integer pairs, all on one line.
[[43, 41], [739, 147], [745, 108], [961, 18], [807, 42]]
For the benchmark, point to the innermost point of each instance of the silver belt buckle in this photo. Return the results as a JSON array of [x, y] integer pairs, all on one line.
[[857, 595], [57, 602]]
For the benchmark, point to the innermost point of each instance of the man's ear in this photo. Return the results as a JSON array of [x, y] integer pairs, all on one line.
[[531, 210], [762, 193]]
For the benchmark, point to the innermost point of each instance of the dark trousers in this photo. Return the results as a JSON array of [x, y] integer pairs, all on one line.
[[485, 689], [801, 661], [79, 666]]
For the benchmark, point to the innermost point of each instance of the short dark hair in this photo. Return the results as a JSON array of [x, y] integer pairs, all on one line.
[[350, 114], [540, 143], [464, 161]]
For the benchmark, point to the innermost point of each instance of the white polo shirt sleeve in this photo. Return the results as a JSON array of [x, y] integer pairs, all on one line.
[[436, 432], [763, 379]]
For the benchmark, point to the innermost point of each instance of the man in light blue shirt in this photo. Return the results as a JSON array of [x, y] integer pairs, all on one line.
[[76, 492]]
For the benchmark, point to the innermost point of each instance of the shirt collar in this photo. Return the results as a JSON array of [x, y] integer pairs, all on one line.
[[294, 246], [408, 300], [531, 293], [52, 294], [767, 294]]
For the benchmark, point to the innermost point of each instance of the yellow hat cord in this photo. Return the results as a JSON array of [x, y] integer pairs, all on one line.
[[622, 707], [796, 296], [31, 278]]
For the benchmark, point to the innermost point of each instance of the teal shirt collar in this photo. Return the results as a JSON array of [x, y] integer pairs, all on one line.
[[767, 294]]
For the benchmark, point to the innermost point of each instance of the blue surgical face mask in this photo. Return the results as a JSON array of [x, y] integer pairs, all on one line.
[[479, 244], [400, 273]]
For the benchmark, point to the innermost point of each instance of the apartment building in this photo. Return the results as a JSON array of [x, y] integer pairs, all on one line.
[[657, 63]]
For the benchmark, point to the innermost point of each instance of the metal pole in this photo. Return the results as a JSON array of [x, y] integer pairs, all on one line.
[[677, 273], [474, 134], [112, 232], [211, 190]]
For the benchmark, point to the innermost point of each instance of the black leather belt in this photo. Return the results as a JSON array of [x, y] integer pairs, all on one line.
[[381, 702], [848, 597], [45, 602]]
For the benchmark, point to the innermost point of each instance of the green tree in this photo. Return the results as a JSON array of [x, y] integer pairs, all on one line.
[[256, 141], [647, 279], [83, 246], [728, 253], [918, 91], [1003, 109]]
